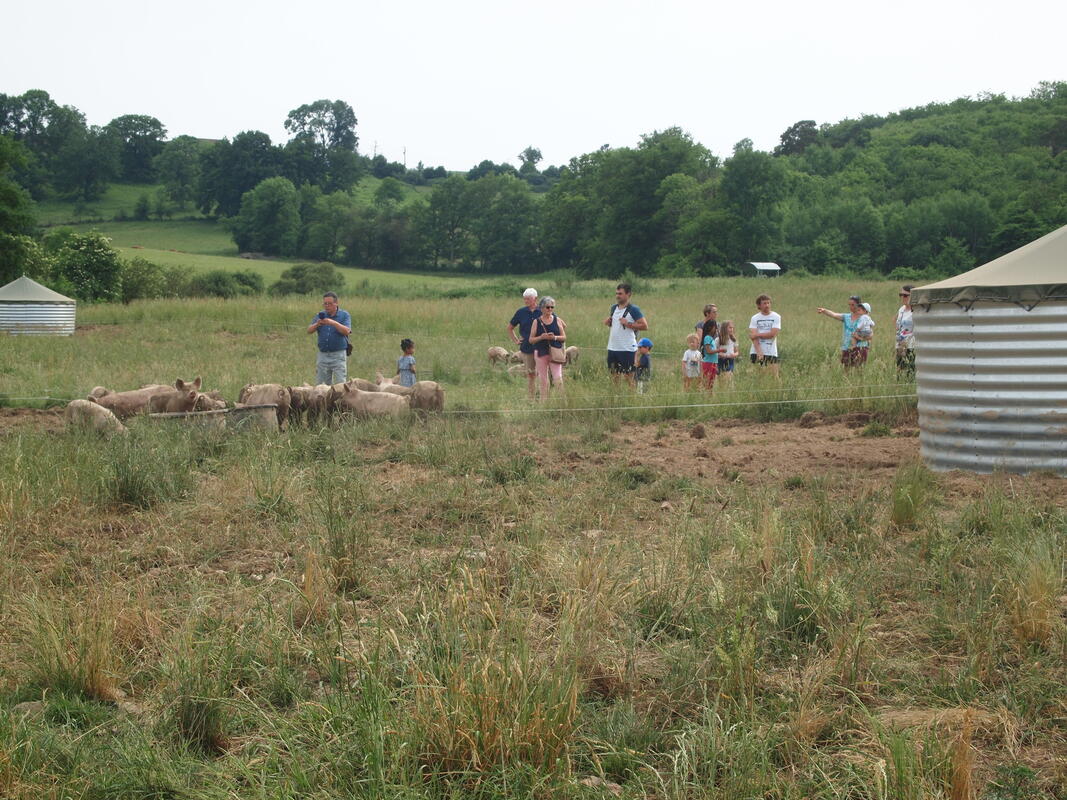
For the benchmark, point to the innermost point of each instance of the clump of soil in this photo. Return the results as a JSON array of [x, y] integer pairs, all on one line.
[[857, 419], [811, 419], [697, 431]]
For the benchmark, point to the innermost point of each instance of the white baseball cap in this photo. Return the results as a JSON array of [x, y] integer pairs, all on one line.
[[866, 307], [531, 292]]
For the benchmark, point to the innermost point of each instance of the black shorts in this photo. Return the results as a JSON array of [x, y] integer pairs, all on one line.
[[620, 361], [762, 361]]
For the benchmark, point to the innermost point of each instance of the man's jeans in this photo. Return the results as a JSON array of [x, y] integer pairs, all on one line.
[[331, 367]]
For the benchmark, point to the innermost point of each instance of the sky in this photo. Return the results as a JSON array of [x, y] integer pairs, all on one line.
[[454, 83]]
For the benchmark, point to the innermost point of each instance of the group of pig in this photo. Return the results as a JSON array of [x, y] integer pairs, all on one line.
[[500, 355], [104, 410]]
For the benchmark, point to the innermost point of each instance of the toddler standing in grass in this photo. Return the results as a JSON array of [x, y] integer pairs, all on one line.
[[691, 360], [405, 365]]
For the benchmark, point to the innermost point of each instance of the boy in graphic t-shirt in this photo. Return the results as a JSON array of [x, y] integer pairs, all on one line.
[[763, 330]]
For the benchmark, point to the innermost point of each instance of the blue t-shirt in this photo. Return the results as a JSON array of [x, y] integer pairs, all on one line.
[[330, 341], [523, 319], [849, 327], [712, 344], [405, 367]]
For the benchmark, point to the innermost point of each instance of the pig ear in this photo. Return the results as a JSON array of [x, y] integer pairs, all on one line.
[[197, 383], [179, 384]]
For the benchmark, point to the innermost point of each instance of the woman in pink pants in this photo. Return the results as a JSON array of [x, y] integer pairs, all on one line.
[[548, 332]]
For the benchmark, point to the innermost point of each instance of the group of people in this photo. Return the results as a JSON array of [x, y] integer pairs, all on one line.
[[711, 350], [857, 331], [541, 336]]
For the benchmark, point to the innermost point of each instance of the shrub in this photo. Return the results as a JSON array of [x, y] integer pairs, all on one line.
[[142, 208], [92, 266], [309, 279], [249, 281], [216, 283], [21, 255], [142, 280]]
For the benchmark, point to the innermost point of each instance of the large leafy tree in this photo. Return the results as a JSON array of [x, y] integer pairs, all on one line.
[[91, 266], [178, 168], [229, 169], [16, 215], [323, 147], [269, 220], [85, 164], [141, 140], [444, 222]]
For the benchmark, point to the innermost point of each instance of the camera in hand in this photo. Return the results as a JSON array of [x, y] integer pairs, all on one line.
[[322, 315]]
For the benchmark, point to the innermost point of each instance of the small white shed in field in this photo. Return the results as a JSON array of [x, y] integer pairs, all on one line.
[[27, 308], [767, 269], [991, 363]]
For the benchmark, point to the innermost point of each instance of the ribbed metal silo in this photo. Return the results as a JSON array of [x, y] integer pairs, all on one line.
[[991, 363], [28, 308]]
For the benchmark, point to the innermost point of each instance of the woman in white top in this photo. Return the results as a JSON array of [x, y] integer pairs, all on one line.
[[905, 334]]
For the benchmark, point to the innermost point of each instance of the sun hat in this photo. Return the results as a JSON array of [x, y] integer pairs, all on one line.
[[646, 342]]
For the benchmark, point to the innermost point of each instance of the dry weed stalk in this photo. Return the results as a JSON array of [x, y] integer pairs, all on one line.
[[494, 709], [316, 587], [1033, 609], [768, 535], [73, 646], [962, 783]]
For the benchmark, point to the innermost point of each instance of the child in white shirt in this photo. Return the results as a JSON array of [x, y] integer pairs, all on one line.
[[691, 360]]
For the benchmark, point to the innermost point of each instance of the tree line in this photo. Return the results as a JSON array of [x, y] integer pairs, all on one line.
[[926, 191]]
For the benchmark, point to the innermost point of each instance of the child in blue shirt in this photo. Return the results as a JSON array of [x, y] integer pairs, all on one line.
[[405, 365]]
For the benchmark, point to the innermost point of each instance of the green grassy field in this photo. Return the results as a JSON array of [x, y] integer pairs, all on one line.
[[453, 321], [642, 601]]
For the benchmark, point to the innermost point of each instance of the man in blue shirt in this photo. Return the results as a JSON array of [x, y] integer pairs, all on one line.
[[523, 319], [334, 326]]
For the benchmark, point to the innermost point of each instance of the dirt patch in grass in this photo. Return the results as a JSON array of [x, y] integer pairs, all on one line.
[[15, 420]]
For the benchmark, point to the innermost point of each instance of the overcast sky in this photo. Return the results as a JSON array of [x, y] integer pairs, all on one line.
[[457, 82]]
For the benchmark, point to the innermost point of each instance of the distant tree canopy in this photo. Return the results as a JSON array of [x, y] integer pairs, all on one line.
[[932, 189]]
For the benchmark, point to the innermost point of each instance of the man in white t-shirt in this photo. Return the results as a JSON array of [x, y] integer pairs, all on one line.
[[763, 330], [624, 319]]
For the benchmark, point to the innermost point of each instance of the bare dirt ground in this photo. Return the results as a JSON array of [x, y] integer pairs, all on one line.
[[19, 420], [833, 449]]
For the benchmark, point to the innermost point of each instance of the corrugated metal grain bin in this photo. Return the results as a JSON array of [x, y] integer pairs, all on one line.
[[991, 363], [27, 308]]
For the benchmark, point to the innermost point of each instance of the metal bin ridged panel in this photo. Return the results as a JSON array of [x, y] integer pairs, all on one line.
[[42, 319], [992, 384]]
